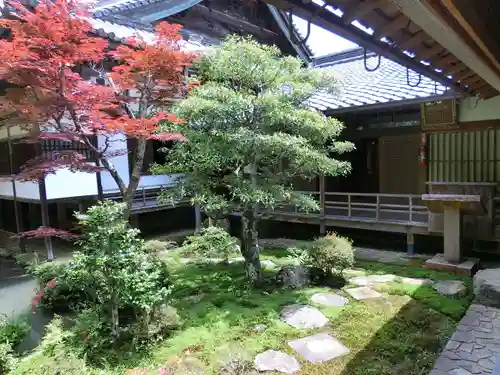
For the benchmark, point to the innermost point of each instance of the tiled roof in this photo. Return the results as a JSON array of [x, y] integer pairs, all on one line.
[[119, 28], [108, 7], [358, 87]]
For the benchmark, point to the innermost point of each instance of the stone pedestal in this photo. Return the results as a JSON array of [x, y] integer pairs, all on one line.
[[452, 206], [452, 224]]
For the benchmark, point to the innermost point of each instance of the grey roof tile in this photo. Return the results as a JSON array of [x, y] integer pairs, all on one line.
[[359, 87]]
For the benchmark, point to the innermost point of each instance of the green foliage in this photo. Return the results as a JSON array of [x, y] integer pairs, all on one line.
[[7, 360], [331, 253], [13, 331], [243, 124], [221, 223], [252, 133], [53, 356], [212, 242]]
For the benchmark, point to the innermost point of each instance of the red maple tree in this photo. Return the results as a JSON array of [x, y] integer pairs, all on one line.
[[47, 47]]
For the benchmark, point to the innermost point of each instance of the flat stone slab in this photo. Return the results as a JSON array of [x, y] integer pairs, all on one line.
[[467, 268], [411, 281], [475, 346], [363, 293], [319, 348], [350, 273], [303, 316], [329, 299], [487, 287], [372, 280], [268, 264], [273, 360], [450, 288]]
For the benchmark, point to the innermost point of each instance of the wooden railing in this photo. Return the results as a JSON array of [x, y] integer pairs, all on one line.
[[146, 196], [400, 208]]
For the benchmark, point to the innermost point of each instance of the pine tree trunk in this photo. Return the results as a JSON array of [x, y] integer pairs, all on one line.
[[115, 319], [250, 248]]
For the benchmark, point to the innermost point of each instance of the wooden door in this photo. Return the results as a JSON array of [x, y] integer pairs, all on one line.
[[399, 169]]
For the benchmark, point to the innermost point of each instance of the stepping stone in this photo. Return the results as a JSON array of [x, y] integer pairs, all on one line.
[[237, 259], [329, 299], [319, 348], [450, 288], [372, 280], [303, 316], [268, 263], [411, 281], [363, 293], [349, 273], [273, 360]]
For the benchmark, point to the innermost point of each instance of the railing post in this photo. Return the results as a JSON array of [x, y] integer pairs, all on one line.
[[378, 208], [349, 202], [410, 204], [410, 244], [322, 227]]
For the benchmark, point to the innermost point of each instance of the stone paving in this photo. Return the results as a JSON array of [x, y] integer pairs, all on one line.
[[475, 346]]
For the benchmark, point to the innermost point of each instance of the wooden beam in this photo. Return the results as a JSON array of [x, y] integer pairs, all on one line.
[[414, 41], [457, 68], [357, 10], [431, 52], [467, 17], [398, 23], [464, 74]]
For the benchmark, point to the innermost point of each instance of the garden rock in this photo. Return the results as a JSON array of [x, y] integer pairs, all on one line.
[[450, 288], [329, 299], [273, 360], [487, 287], [260, 328], [363, 293], [372, 280], [299, 276], [319, 348], [303, 316]]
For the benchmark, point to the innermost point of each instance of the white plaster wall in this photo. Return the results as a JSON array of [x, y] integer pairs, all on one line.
[[26, 190], [117, 142], [471, 109], [66, 184]]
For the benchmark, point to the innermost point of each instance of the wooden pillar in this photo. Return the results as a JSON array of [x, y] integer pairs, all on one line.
[[134, 221], [322, 228], [62, 216], [45, 218], [33, 216], [197, 218], [17, 209]]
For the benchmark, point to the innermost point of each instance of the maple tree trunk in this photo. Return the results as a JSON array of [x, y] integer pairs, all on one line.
[[135, 176]]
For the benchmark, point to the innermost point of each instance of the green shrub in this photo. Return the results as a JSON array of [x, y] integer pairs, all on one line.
[[13, 331], [54, 355], [212, 242], [7, 359], [58, 291], [331, 253]]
